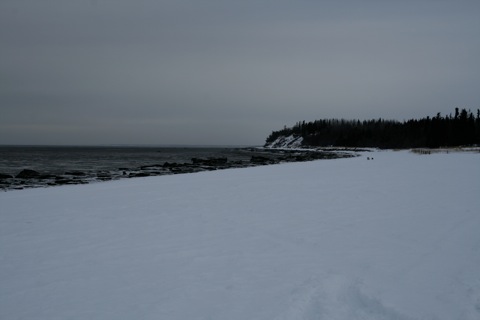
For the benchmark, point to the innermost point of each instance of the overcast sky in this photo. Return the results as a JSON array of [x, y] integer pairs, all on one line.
[[227, 72]]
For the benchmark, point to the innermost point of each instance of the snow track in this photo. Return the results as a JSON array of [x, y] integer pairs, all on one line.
[[336, 298]]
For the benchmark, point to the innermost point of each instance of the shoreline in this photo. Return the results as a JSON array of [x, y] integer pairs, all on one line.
[[261, 156]]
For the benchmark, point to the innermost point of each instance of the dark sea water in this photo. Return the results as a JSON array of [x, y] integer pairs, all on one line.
[[60, 165], [54, 166], [58, 160]]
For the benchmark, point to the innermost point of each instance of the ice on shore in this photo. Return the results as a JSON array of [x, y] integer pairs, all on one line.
[[393, 238]]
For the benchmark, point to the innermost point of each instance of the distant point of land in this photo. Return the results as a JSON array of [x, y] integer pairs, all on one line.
[[460, 129]]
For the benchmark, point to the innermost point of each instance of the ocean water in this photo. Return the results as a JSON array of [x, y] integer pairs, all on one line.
[[57, 165], [60, 159]]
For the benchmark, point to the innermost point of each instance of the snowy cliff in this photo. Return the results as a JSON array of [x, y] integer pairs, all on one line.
[[286, 142]]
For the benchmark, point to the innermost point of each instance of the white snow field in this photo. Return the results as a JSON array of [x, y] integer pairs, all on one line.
[[397, 237]]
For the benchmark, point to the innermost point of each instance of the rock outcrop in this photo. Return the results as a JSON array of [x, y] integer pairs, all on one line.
[[28, 174]]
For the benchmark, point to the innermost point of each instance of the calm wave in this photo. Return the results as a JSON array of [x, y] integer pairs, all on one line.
[[57, 160]]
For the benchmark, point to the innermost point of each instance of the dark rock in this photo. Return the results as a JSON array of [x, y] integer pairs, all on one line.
[[102, 175], [184, 169], [301, 158], [170, 165], [75, 173], [140, 174], [64, 181], [28, 174], [260, 159], [210, 161], [5, 176], [47, 176]]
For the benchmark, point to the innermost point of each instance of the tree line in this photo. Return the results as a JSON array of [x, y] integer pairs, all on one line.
[[460, 129]]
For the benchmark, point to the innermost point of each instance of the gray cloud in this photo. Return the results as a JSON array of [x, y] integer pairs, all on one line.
[[226, 72]]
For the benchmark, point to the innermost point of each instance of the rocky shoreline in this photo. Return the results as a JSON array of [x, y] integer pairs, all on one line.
[[28, 178]]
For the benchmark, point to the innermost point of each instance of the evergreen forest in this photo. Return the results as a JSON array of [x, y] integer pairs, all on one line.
[[460, 129]]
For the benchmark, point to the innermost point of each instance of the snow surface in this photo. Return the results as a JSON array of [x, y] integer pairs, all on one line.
[[397, 237]]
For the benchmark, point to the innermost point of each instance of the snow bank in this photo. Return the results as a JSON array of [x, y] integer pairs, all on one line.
[[393, 238]]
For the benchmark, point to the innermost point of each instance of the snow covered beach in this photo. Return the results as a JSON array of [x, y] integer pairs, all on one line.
[[393, 238]]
